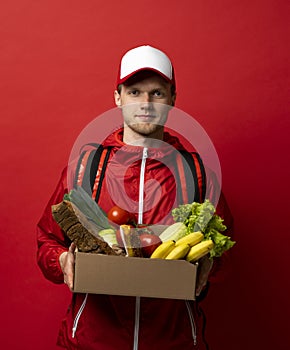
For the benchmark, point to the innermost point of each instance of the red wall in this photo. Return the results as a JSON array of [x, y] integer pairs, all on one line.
[[58, 64]]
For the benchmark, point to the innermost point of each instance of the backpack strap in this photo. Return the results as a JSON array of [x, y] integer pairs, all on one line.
[[92, 165], [91, 170], [99, 172], [191, 191]]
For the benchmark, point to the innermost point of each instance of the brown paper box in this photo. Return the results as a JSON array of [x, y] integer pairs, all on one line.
[[119, 275]]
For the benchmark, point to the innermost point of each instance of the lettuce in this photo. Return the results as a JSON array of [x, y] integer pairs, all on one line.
[[202, 217]]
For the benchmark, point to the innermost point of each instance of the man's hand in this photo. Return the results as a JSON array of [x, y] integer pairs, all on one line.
[[66, 261], [204, 267]]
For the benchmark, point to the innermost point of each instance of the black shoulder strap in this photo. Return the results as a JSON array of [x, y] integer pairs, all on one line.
[[98, 172], [87, 168], [196, 189], [90, 174]]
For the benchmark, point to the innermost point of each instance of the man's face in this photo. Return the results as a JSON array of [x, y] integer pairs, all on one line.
[[145, 101]]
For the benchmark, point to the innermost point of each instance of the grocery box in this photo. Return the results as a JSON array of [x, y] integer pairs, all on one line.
[[144, 277]]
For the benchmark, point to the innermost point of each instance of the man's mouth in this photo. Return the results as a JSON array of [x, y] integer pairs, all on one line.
[[145, 117]]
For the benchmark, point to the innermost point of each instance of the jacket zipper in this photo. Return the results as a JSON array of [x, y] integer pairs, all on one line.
[[137, 323], [141, 186], [140, 221], [192, 322], [76, 320]]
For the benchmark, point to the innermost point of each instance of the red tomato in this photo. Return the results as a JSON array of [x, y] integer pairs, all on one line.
[[119, 216], [149, 243]]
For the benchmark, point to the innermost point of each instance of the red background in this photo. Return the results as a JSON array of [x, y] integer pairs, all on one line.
[[58, 62]]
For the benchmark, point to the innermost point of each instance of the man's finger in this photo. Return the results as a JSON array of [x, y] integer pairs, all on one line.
[[72, 248]]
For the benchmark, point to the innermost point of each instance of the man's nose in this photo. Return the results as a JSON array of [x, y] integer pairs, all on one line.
[[146, 102], [146, 97]]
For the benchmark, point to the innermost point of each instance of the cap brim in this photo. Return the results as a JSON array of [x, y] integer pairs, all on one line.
[[150, 69]]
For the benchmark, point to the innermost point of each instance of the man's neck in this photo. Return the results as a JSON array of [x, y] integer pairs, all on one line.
[[131, 137]]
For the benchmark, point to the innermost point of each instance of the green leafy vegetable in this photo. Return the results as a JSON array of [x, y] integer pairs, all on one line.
[[202, 217], [80, 198]]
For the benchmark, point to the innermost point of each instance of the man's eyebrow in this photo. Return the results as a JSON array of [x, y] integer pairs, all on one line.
[[138, 87], [132, 87]]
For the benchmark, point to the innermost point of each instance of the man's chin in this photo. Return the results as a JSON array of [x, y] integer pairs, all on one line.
[[145, 129]]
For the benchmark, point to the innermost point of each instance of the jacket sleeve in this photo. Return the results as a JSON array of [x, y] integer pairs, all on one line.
[[51, 240], [222, 265]]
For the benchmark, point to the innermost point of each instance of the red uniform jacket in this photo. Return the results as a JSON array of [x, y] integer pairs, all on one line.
[[105, 322]]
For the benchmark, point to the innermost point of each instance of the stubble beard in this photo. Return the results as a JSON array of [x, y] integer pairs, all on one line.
[[147, 129]]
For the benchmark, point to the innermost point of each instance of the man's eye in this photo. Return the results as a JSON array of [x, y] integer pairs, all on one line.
[[157, 93], [134, 92]]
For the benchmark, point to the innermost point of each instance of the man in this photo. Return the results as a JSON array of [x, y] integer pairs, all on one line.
[[146, 91]]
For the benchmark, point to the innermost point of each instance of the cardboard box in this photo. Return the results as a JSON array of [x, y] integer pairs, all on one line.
[[119, 275]]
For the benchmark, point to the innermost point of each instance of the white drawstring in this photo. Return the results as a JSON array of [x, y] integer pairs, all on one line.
[[191, 318], [76, 320]]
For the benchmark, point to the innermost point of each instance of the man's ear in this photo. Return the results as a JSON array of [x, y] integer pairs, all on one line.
[[117, 97], [173, 99]]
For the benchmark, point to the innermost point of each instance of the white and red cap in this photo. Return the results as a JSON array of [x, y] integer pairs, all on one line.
[[145, 58]]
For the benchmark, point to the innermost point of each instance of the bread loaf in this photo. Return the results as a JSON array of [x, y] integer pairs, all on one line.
[[79, 229]]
